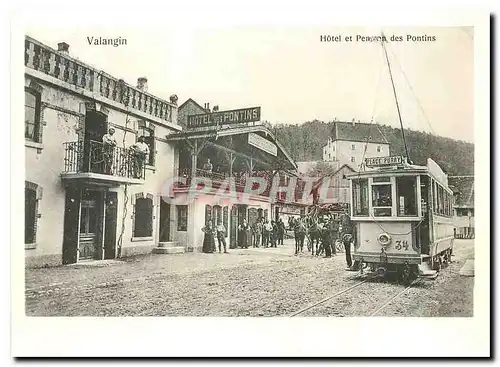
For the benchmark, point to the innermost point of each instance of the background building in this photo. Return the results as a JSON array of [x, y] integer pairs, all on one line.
[[223, 148], [463, 207], [350, 139]]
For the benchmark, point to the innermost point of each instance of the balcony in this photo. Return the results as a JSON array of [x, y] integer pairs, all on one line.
[[96, 84], [93, 163], [240, 180]]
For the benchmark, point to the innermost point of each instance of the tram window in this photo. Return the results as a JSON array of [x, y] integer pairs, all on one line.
[[406, 192], [434, 197], [382, 200], [445, 199], [441, 200], [360, 197]]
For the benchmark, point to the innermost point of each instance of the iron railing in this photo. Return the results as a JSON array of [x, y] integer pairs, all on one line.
[[240, 180], [95, 157]]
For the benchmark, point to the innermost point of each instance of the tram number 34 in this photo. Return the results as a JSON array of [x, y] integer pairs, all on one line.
[[402, 245]]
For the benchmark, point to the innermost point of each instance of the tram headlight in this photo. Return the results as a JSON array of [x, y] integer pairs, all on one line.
[[384, 239]]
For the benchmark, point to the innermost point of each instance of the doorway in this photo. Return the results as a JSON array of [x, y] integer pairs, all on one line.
[[95, 129], [90, 219], [164, 221], [89, 234]]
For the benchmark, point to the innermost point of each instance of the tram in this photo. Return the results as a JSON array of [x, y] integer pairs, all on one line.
[[402, 216]]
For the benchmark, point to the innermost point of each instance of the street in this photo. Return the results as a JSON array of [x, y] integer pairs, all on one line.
[[245, 282]]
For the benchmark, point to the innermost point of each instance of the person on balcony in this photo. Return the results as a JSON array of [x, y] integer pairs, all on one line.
[[140, 152], [208, 240], [243, 234], [208, 166], [108, 150]]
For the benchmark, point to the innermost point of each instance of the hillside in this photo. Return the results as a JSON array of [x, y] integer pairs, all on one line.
[[305, 142]]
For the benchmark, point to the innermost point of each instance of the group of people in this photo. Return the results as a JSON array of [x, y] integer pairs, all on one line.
[[266, 233], [139, 154], [211, 233], [324, 234]]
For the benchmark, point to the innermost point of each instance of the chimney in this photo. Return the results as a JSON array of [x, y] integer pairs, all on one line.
[[63, 47], [353, 122], [208, 107], [142, 83]]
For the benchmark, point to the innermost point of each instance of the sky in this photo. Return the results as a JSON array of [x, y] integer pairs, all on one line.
[[294, 76]]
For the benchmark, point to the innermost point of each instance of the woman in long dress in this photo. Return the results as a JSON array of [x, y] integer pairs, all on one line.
[[209, 239], [243, 234]]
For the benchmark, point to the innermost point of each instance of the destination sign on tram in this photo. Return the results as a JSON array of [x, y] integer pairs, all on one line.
[[225, 117], [384, 161]]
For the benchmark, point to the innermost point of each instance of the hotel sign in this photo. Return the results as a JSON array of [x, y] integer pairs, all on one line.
[[263, 144], [225, 117], [384, 161]]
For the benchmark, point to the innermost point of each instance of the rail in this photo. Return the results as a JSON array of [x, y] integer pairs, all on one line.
[[59, 65], [95, 157]]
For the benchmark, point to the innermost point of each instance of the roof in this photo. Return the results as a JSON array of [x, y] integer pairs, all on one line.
[[304, 167], [358, 131], [320, 181], [207, 133], [463, 188], [192, 101]]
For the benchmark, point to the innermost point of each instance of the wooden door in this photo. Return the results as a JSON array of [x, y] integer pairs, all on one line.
[[95, 129], [234, 227], [71, 225], [110, 225], [164, 221], [89, 224]]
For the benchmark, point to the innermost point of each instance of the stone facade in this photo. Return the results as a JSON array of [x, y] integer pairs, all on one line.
[[68, 90]]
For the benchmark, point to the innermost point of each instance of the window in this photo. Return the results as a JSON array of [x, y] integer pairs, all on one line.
[[434, 197], [31, 114], [353, 147], [217, 215], [406, 192], [440, 200], [378, 148], [382, 200], [30, 215], [182, 218], [149, 139], [353, 159], [143, 215], [360, 197], [446, 206]]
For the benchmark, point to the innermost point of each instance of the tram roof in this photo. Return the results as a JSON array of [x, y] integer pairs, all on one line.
[[432, 169]]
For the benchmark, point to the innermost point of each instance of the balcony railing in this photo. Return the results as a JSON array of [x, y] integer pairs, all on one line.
[[240, 180], [61, 66], [94, 157]]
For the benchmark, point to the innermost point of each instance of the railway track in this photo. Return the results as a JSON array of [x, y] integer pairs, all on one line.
[[389, 300]]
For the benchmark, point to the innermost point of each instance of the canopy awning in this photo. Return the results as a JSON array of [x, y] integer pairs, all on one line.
[[261, 135]]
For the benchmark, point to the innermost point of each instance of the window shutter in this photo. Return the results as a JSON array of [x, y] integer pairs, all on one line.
[[208, 213], [29, 215]]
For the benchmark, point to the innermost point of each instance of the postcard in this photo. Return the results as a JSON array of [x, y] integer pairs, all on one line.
[[216, 184]]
